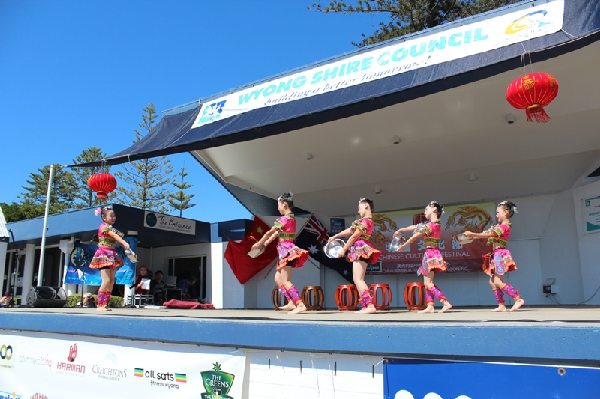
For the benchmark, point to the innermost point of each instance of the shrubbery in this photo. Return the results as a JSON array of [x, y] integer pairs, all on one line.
[[73, 300]]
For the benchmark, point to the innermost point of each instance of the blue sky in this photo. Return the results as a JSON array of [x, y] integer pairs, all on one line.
[[76, 74]]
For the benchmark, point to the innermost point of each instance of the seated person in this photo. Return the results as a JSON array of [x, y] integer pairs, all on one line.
[[5, 301], [158, 288], [88, 301], [185, 285], [140, 280]]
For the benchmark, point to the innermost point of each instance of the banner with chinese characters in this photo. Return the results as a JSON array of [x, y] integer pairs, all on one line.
[[52, 366], [455, 220]]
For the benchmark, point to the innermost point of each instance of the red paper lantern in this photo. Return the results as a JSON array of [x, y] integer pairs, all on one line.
[[102, 183], [532, 93]]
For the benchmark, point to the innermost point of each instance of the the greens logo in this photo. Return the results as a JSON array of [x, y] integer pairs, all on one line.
[[217, 383]]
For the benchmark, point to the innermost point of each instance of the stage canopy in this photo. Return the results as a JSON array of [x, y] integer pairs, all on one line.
[[416, 118]]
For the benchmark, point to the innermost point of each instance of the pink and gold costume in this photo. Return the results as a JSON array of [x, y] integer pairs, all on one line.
[[106, 256], [501, 260], [432, 259], [287, 250], [362, 249]]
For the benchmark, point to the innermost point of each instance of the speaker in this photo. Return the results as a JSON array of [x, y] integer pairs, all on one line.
[[46, 297]]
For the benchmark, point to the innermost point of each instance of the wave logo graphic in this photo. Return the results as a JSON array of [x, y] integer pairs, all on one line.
[[528, 21]]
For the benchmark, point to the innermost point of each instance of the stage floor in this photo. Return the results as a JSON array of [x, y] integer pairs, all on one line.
[[571, 315], [568, 335]]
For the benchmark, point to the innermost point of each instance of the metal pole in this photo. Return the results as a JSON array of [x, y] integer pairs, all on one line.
[[42, 249]]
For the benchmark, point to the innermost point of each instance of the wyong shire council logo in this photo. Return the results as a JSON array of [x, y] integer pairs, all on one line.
[[211, 112]]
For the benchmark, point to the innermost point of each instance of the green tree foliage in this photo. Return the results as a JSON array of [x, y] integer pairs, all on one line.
[[21, 211], [146, 181], [84, 195], [62, 195], [180, 200], [401, 17]]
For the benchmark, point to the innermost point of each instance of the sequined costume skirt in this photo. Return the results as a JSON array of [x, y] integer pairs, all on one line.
[[289, 252], [432, 261], [363, 250], [106, 257], [501, 262]]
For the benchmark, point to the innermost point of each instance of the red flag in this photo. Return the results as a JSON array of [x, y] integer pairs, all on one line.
[[236, 254]]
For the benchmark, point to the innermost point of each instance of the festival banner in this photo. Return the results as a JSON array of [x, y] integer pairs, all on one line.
[[455, 220], [69, 367], [465, 40], [78, 268]]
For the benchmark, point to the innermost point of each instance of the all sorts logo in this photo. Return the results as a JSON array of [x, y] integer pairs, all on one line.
[[528, 21], [161, 379], [213, 111], [217, 383], [109, 369], [9, 395], [431, 395], [70, 367], [6, 355]]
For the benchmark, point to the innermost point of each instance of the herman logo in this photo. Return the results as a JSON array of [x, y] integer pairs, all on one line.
[[70, 368]]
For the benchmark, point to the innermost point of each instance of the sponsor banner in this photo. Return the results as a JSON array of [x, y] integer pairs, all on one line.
[[154, 220], [454, 380], [455, 220], [66, 366], [435, 48], [591, 215], [78, 267]]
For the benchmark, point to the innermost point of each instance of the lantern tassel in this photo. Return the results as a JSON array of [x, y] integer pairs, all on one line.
[[538, 113]]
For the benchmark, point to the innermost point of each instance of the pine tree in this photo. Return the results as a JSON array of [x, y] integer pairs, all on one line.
[[408, 16], [84, 195], [146, 181], [180, 200], [62, 194]]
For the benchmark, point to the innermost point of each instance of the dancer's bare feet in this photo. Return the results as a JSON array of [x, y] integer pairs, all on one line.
[[428, 309], [289, 306], [518, 303], [298, 309], [103, 309], [500, 308], [447, 307], [368, 310]]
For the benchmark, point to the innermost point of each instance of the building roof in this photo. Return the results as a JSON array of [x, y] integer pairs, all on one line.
[[83, 224], [448, 113]]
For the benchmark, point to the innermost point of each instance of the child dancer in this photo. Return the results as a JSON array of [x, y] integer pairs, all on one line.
[[501, 260], [106, 258], [290, 256], [361, 252], [432, 259]]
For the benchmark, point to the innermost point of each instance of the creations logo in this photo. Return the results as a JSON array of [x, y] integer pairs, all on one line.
[[157, 379], [68, 368], [528, 21], [109, 369], [217, 383], [9, 395]]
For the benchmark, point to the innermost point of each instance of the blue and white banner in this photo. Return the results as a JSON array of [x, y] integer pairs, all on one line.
[[466, 40], [79, 272], [428, 379], [591, 215]]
